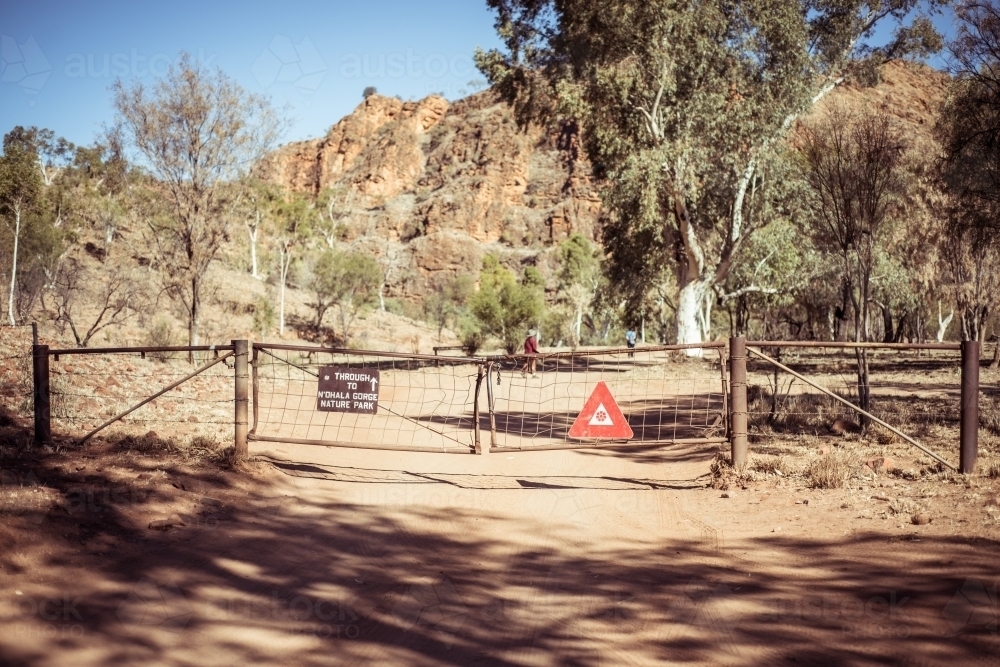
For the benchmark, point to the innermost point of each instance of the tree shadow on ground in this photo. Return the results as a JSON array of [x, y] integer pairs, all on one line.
[[359, 573]]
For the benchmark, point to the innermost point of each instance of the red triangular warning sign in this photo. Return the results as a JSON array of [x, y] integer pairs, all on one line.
[[601, 418]]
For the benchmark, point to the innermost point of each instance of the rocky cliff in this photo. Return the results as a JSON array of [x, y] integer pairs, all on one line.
[[429, 186]]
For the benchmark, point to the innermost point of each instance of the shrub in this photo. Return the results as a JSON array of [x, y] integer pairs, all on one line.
[[160, 334], [832, 470], [770, 465]]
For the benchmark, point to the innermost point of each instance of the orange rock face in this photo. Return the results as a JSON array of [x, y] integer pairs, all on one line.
[[444, 184], [435, 185]]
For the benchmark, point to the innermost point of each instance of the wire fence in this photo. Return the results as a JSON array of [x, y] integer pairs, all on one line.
[[664, 396], [16, 383], [86, 390], [916, 391], [418, 403], [648, 396]]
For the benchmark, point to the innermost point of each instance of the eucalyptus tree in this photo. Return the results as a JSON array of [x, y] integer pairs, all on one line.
[[20, 191], [969, 130], [198, 133], [853, 163], [682, 105]]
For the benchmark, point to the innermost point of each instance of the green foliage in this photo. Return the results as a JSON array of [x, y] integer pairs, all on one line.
[[681, 106], [449, 303], [264, 317], [471, 335], [504, 306], [30, 241], [777, 261], [579, 278], [579, 262], [349, 282]]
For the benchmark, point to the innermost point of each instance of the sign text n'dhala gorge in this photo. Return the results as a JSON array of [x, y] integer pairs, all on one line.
[[346, 389]]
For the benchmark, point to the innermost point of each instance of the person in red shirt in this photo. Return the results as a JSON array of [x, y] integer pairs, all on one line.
[[530, 348]]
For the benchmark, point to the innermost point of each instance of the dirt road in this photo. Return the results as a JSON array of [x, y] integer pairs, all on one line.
[[353, 557]]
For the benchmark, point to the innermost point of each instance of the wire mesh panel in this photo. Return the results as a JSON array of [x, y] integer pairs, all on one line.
[[88, 389], [663, 395], [916, 391], [417, 403]]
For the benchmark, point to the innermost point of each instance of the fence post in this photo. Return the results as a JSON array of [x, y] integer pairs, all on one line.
[[241, 352], [43, 410], [969, 432], [480, 373], [738, 399]]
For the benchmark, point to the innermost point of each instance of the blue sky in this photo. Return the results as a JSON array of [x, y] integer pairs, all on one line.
[[315, 58]]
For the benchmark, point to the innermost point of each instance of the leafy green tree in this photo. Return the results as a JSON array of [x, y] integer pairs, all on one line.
[[579, 277], [775, 264], [448, 303], [853, 165], [292, 217], [258, 207], [347, 281], [505, 306], [969, 130], [20, 192], [682, 106]]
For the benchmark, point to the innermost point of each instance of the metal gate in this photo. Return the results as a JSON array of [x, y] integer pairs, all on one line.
[[442, 404]]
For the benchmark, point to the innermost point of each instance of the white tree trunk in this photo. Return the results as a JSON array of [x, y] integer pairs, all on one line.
[[13, 269], [283, 259], [943, 323], [689, 314], [252, 231], [381, 297]]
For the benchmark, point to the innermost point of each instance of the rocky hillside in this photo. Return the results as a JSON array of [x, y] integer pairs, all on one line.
[[434, 185], [430, 186]]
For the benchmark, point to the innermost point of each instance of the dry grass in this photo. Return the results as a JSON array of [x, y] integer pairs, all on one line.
[[198, 448], [771, 465], [903, 506], [725, 476], [833, 470]]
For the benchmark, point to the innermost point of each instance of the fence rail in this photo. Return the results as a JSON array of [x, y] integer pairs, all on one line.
[[852, 345], [802, 388], [434, 403]]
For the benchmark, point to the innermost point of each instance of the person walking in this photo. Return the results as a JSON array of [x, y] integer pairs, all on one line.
[[530, 348], [630, 342]]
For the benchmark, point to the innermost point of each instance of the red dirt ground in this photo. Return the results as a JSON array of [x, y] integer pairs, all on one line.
[[320, 556]]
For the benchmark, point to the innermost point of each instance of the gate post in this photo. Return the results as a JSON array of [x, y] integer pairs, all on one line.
[[738, 400], [480, 373], [241, 352], [969, 431], [43, 410]]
